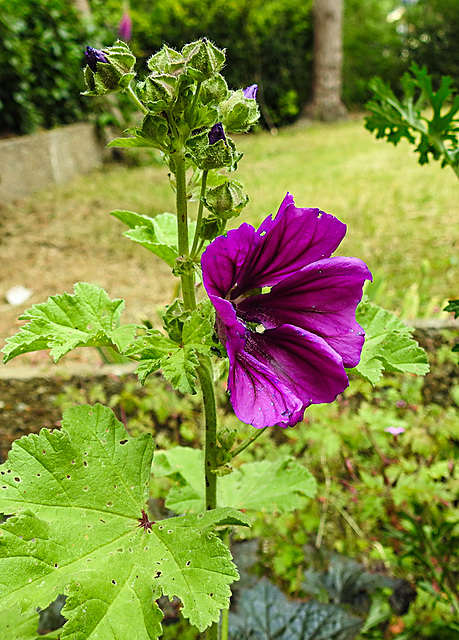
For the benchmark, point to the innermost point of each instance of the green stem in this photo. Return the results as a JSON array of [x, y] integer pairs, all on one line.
[[186, 278], [210, 446], [132, 94], [247, 443], [200, 209], [210, 449]]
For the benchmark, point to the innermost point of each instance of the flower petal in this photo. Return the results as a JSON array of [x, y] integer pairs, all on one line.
[[223, 259], [322, 299], [283, 245], [302, 361], [257, 395]]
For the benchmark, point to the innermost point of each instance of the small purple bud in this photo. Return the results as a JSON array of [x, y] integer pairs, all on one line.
[[217, 133], [395, 431], [400, 403], [93, 56], [125, 27], [250, 92]]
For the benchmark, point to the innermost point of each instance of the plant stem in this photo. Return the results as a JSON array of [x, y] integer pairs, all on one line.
[[210, 449], [132, 94], [199, 218], [247, 443], [186, 278]]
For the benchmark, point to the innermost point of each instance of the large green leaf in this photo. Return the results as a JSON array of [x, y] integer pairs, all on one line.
[[78, 495], [158, 234], [88, 318], [264, 613], [271, 487], [388, 345]]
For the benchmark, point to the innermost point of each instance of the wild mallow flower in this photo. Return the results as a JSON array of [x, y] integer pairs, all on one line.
[[125, 27], [285, 311], [250, 92], [93, 56]]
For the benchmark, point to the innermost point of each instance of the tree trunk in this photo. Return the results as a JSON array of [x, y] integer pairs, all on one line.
[[328, 61]]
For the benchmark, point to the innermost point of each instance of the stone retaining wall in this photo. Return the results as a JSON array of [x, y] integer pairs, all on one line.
[[30, 163]]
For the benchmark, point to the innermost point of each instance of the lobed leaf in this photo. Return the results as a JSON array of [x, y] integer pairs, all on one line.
[[272, 487], [88, 318], [77, 495], [388, 345], [158, 234]]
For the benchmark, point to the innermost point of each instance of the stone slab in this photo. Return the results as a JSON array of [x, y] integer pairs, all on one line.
[[30, 163]]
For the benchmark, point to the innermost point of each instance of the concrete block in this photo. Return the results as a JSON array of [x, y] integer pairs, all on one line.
[[30, 163]]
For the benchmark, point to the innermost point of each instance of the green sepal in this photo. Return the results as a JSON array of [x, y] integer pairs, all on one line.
[[271, 487], [79, 496], [203, 59], [213, 156], [166, 61], [158, 91], [226, 200], [88, 318], [214, 90], [238, 113], [388, 345]]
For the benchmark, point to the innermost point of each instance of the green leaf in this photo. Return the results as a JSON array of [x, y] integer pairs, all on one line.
[[272, 487], [78, 496], [17, 625], [86, 319], [388, 345], [178, 360], [266, 614], [158, 234]]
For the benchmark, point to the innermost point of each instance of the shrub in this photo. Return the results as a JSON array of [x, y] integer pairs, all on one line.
[[41, 55]]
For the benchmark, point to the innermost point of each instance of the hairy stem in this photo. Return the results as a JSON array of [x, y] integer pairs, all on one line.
[[194, 251], [132, 94], [187, 277]]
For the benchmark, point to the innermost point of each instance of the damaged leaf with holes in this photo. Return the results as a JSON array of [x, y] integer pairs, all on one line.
[[77, 500]]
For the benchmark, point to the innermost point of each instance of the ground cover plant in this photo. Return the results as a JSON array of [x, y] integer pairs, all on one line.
[[283, 323]]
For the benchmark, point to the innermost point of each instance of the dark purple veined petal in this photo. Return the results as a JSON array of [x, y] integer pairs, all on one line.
[[223, 259], [320, 298], [257, 395], [93, 56], [229, 327], [283, 245], [217, 133], [302, 361]]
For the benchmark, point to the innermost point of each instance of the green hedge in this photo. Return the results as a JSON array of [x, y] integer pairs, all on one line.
[[41, 56]]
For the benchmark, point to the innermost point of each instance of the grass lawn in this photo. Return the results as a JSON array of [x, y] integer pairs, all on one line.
[[403, 219]]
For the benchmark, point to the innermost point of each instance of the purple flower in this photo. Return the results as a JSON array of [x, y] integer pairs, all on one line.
[[285, 312], [125, 27], [250, 92], [217, 133], [395, 431], [93, 56]]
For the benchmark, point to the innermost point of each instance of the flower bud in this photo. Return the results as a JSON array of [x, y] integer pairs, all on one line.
[[166, 61], [250, 93], [239, 113], [214, 89], [213, 150], [226, 200], [158, 91], [203, 59], [108, 70]]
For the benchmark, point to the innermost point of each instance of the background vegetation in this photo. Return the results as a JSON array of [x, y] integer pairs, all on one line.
[[269, 42]]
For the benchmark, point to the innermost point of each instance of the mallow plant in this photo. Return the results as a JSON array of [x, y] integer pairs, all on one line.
[[269, 308]]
